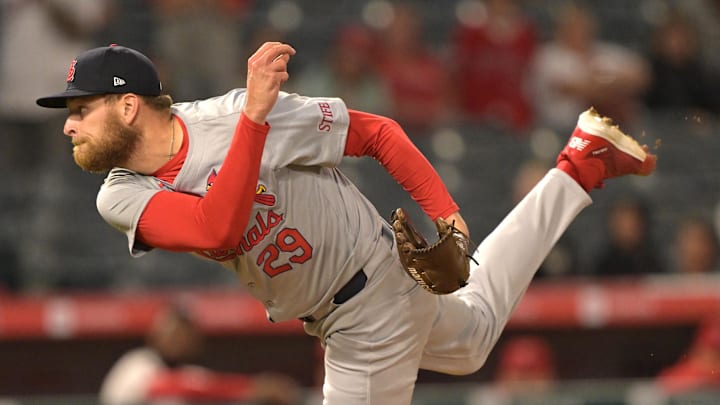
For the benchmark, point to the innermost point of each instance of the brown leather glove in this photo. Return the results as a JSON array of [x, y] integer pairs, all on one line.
[[440, 268]]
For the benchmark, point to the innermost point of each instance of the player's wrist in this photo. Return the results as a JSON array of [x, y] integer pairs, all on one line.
[[255, 116], [254, 128]]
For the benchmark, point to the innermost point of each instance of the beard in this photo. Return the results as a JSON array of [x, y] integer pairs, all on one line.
[[114, 148]]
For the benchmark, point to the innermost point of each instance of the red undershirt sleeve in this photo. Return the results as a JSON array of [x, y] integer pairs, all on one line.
[[184, 222], [384, 140]]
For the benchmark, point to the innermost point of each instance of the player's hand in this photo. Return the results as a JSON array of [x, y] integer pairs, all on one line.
[[267, 71]]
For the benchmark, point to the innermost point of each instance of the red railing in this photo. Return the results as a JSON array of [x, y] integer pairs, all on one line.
[[567, 304]]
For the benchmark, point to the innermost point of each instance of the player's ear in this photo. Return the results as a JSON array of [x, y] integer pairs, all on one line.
[[129, 105]]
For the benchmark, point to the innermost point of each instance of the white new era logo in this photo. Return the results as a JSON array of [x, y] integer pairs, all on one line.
[[578, 143], [118, 81]]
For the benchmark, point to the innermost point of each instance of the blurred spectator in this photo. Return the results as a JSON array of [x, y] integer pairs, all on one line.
[[527, 364], [563, 259], [163, 372], [347, 72], [705, 16], [629, 248], [137, 14], [695, 249], [32, 33], [699, 368], [492, 52], [525, 374], [54, 30], [577, 70], [680, 81], [199, 39], [415, 76]]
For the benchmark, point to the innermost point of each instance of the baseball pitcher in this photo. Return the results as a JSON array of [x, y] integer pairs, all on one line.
[[249, 179]]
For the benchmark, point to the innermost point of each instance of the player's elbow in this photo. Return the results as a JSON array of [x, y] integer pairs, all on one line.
[[216, 235], [222, 238], [219, 232], [390, 125]]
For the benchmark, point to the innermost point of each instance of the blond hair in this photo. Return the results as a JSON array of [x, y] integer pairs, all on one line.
[[158, 103]]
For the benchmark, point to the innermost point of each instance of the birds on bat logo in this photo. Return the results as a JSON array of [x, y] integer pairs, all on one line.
[[211, 180], [262, 196]]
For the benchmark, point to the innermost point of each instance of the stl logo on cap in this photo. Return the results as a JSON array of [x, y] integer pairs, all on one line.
[[71, 72]]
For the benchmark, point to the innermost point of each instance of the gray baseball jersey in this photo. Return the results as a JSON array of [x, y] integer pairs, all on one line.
[[308, 231]]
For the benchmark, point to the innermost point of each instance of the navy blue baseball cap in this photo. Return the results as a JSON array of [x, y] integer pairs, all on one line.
[[107, 70]]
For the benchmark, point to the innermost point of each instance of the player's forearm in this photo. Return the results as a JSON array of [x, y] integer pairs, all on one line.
[[225, 209], [384, 140], [183, 222]]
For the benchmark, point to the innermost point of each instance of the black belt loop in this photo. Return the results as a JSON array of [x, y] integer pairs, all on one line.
[[349, 290], [358, 281]]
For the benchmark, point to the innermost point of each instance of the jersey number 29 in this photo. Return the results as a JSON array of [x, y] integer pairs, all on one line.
[[288, 240]]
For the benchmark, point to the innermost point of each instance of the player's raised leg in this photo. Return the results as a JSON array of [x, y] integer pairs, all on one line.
[[473, 318]]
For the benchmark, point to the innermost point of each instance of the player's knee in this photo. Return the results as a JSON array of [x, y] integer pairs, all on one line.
[[465, 366], [472, 365]]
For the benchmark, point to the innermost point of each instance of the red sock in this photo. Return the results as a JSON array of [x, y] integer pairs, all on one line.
[[588, 176]]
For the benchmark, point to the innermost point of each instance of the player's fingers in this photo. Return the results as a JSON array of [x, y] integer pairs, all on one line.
[[279, 64], [278, 53], [283, 58], [274, 58], [279, 61], [262, 50]]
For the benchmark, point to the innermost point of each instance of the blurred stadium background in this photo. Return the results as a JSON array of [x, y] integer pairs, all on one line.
[[72, 301]]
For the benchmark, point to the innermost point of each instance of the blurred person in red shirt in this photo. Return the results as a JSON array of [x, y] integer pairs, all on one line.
[[699, 369], [526, 364], [414, 74], [163, 370], [347, 72], [525, 370], [493, 49]]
